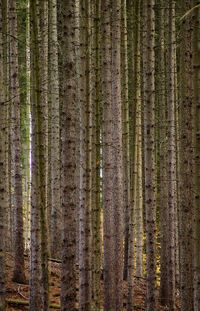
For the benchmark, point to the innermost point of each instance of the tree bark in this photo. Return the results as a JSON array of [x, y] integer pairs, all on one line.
[[16, 149], [196, 156], [149, 148], [3, 175], [68, 136], [185, 166]]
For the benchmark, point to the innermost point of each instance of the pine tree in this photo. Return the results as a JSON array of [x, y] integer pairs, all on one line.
[[3, 176], [35, 243], [171, 153], [196, 141], [68, 170], [149, 146], [107, 164], [54, 137], [39, 242], [16, 149], [116, 130], [185, 158], [95, 93]]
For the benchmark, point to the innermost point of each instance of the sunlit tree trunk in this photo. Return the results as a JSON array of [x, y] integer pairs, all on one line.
[[16, 149]]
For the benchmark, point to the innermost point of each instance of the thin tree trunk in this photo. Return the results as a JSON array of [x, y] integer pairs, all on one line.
[[35, 245], [16, 150], [54, 156], [171, 154], [117, 157], [3, 175], [96, 161], [185, 166], [107, 169], [85, 300], [196, 141], [43, 144], [126, 136], [149, 148], [162, 128]]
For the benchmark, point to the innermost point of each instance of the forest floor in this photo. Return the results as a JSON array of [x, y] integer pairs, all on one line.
[[17, 295]]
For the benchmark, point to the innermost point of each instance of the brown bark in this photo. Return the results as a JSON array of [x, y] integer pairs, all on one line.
[[68, 121], [16, 149], [185, 166], [149, 147]]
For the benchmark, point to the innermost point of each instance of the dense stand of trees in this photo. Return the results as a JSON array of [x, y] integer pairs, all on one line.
[[100, 150]]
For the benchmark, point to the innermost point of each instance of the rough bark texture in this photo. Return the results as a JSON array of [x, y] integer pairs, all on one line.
[[54, 177], [117, 177], [96, 148], [43, 142], [185, 158], [149, 147], [16, 150], [109, 303], [130, 237], [68, 121], [162, 171], [3, 192], [196, 141], [125, 136], [35, 246], [86, 157], [138, 206], [171, 153]]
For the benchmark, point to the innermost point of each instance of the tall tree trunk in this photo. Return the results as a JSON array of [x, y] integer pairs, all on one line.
[[54, 118], [138, 204], [3, 175], [39, 243], [35, 245], [16, 149], [171, 153], [43, 144], [129, 244], [196, 141], [96, 150], [107, 169], [149, 148], [185, 166], [126, 136], [117, 158], [68, 121], [86, 160], [5, 29], [162, 161]]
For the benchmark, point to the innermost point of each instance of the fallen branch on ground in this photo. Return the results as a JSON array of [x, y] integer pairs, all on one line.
[[12, 302]]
